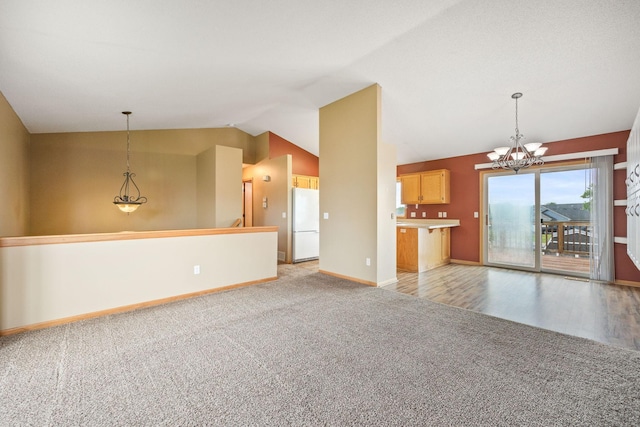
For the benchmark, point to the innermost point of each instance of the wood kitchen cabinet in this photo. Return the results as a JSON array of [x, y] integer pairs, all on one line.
[[445, 241], [411, 193], [304, 181], [430, 187], [420, 249]]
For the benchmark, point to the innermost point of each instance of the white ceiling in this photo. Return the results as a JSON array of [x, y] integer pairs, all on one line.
[[447, 68]]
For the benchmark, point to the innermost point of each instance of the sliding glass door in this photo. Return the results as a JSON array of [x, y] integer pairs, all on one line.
[[510, 220], [565, 223], [538, 220]]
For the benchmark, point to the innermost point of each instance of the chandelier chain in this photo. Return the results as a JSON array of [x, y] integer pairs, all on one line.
[[517, 129]]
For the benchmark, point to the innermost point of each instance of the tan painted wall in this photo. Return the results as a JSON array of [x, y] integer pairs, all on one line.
[[219, 186], [189, 142], [14, 172], [278, 194], [74, 182], [228, 185], [206, 188], [262, 147], [43, 283], [75, 176], [351, 173]]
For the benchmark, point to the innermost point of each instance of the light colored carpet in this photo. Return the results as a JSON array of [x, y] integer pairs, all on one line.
[[312, 350]]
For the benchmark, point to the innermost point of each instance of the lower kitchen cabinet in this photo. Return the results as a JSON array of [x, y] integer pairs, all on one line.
[[420, 248]]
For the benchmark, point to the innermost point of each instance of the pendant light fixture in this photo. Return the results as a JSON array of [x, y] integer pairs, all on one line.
[[125, 201], [519, 155]]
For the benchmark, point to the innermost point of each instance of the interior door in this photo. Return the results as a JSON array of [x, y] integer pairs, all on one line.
[[511, 218]]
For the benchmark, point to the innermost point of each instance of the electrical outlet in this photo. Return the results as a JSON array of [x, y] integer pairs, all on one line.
[[475, 214], [444, 214], [439, 214], [368, 262], [196, 269], [326, 215], [413, 214], [284, 214], [424, 214]]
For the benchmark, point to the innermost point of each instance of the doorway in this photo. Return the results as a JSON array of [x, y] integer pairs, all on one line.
[[247, 203], [538, 220]]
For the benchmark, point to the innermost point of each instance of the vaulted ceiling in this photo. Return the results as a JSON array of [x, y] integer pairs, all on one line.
[[447, 68]]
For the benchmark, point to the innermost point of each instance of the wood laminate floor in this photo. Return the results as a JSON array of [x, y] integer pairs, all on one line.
[[601, 312]]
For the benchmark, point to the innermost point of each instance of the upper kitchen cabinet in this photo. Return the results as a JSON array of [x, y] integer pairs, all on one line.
[[303, 181], [426, 188], [411, 193]]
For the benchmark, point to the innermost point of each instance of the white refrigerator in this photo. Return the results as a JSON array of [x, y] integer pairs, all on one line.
[[306, 224]]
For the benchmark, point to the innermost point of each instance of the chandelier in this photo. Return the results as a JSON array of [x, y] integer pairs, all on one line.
[[125, 201], [519, 155]]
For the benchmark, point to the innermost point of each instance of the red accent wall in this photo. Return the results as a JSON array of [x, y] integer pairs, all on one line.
[[302, 161], [465, 197]]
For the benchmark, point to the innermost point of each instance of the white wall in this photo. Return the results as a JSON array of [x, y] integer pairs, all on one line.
[[44, 283]]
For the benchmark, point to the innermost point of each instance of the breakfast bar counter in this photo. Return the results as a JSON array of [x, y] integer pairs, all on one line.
[[423, 244]]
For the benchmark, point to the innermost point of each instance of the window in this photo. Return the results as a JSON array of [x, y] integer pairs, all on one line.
[[401, 210]]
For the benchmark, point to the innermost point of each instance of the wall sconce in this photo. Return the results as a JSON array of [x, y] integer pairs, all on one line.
[[266, 178]]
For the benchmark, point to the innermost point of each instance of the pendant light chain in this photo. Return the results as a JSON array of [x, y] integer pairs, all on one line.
[[128, 140]]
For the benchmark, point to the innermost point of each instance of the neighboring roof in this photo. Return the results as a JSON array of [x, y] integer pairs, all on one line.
[[564, 212]]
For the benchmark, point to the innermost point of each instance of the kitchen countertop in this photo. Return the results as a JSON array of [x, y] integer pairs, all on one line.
[[427, 223]]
